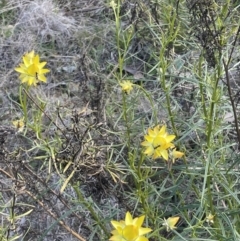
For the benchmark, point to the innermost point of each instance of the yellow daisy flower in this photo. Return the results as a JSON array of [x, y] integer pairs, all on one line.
[[113, 4], [170, 223], [210, 218], [130, 229], [19, 124], [176, 155], [31, 70], [127, 86], [157, 142]]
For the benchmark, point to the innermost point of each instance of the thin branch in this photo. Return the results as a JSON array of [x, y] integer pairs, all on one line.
[[31, 98], [55, 217], [232, 101]]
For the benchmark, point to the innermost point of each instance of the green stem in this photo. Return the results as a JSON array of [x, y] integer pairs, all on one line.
[[125, 117], [89, 207], [23, 102], [118, 33], [210, 127], [201, 86], [166, 92]]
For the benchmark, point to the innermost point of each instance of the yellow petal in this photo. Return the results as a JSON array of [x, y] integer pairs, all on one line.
[[31, 54], [177, 154], [44, 71], [149, 151], [170, 138], [20, 70], [26, 61], [139, 221], [170, 223], [128, 219], [116, 224], [145, 143], [157, 153], [143, 231], [42, 77], [162, 130], [36, 60], [164, 154]]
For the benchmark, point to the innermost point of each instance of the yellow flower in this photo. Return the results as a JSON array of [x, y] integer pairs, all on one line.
[[19, 124], [127, 86], [210, 218], [113, 4], [157, 142], [130, 229], [170, 223], [176, 155], [31, 70]]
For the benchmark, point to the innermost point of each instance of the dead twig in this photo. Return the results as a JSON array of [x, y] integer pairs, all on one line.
[[55, 217], [226, 67]]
